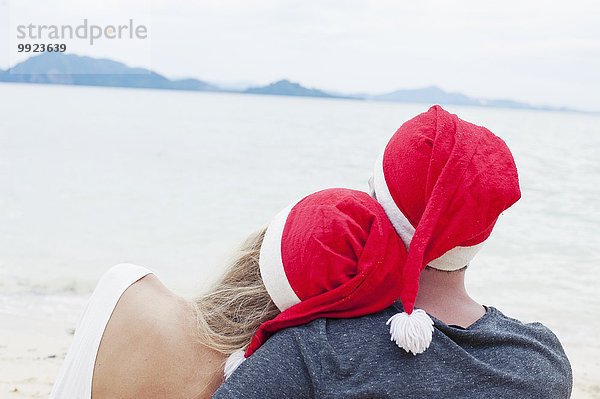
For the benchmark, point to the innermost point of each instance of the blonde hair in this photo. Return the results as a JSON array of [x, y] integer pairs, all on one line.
[[231, 312]]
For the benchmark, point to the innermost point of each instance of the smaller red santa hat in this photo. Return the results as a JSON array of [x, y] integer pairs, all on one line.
[[334, 254], [443, 182]]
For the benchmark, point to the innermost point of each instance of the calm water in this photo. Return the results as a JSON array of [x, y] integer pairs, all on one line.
[[90, 177]]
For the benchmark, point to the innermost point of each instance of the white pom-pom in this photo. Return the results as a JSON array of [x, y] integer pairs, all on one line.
[[411, 332], [233, 362]]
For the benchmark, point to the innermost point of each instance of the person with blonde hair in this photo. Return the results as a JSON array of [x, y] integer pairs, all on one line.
[[333, 254]]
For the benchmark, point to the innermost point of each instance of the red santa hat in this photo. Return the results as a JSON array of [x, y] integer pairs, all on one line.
[[334, 254], [443, 182]]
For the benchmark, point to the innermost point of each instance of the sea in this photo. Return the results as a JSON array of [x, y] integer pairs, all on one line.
[[174, 181]]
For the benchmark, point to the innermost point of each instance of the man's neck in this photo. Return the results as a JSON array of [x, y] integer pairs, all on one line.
[[443, 295]]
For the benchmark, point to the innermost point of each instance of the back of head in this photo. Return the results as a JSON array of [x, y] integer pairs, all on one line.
[[332, 254], [443, 182]]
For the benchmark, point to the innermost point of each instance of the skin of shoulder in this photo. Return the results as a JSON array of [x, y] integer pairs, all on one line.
[[148, 348]]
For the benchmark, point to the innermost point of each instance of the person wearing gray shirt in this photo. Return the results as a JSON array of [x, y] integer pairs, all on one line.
[[495, 357]]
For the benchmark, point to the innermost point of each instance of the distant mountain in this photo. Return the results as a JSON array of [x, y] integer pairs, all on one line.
[[69, 69], [287, 88], [431, 94], [435, 95]]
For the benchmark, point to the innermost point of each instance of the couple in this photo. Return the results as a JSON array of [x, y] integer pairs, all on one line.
[[344, 295]]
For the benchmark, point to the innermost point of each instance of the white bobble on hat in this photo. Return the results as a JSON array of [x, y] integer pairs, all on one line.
[[411, 332]]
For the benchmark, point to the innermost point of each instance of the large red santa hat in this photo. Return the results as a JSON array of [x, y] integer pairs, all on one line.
[[443, 182], [333, 254]]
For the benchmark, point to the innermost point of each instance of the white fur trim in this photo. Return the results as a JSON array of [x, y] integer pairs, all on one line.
[[411, 332], [271, 264], [403, 227], [233, 362], [454, 259]]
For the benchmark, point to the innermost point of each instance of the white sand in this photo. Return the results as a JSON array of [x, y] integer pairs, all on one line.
[[35, 334], [31, 352]]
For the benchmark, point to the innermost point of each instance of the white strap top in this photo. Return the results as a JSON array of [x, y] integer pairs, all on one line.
[[74, 379]]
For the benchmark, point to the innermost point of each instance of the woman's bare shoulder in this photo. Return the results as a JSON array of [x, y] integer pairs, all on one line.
[[137, 338], [146, 310]]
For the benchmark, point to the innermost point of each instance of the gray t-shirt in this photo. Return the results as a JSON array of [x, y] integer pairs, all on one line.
[[496, 357]]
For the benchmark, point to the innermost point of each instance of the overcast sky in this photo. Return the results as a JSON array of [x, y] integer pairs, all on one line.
[[538, 51]]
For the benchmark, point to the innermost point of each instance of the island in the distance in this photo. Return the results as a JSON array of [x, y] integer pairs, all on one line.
[[71, 69], [286, 88]]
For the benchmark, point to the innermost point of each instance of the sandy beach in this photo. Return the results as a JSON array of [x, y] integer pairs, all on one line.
[[33, 343], [30, 355]]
